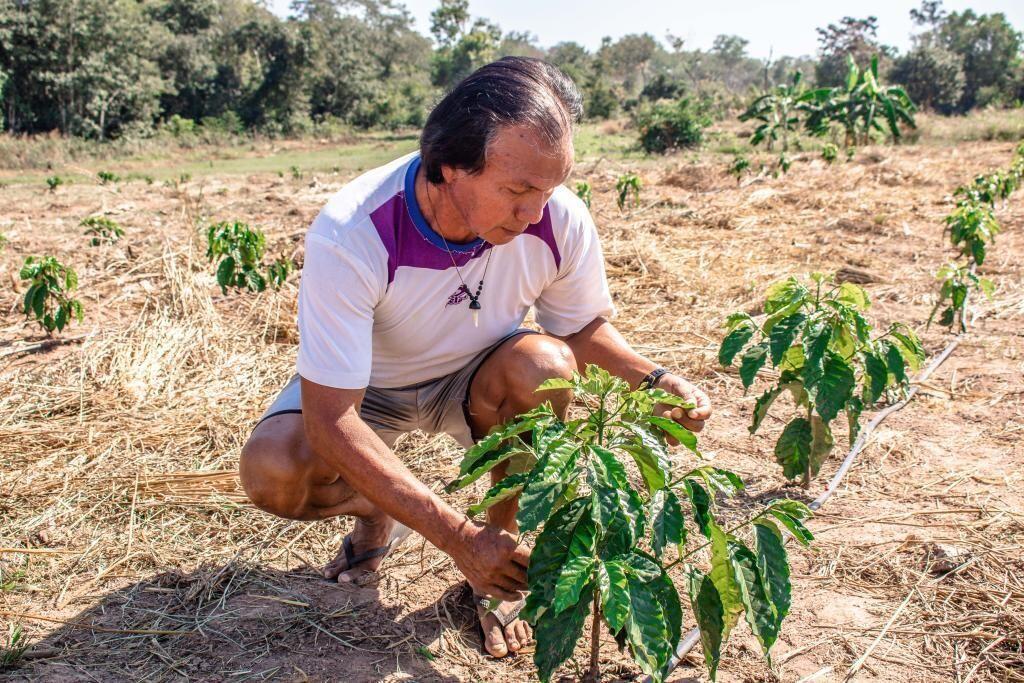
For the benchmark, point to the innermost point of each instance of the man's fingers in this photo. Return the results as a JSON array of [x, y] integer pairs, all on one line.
[[516, 573], [502, 593], [521, 556]]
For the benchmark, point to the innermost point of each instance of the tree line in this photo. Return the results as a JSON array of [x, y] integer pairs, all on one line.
[[111, 68]]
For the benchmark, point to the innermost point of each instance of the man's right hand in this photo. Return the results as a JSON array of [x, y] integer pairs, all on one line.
[[492, 560]]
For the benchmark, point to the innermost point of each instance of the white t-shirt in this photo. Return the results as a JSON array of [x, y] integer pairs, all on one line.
[[380, 303]]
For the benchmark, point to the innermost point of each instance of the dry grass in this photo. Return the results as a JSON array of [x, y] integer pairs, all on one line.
[[128, 551]]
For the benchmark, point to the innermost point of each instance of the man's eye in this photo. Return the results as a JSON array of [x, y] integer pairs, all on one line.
[[515, 191]]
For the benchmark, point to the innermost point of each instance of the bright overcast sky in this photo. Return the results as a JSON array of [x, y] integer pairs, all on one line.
[[786, 27]]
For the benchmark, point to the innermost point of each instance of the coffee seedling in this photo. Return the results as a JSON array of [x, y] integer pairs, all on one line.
[[107, 177], [53, 182], [739, 166], [48, 298], [818, 339], [626, 186], [957, 282], [238, 250], [102, 230], [972, 227], [605, 535], [830, 152], [584, 192]]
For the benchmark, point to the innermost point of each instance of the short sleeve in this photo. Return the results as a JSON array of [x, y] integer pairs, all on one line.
[[579, 293], [337, 296]]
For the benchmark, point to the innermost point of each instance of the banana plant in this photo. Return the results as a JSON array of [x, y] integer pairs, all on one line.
[[860, 106], [606, 534], [820, 342]]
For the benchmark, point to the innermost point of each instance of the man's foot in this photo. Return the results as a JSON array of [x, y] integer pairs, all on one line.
[[365, 548], [501, 629]]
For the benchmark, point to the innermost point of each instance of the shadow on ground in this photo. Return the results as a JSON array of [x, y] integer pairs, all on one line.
[[242, 622]]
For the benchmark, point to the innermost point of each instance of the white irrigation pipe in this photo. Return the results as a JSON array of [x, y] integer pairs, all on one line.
[[692, 637]]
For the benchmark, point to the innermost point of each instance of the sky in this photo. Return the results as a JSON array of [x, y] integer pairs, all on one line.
[[779, 27]]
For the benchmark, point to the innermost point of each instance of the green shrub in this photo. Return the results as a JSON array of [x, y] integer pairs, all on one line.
[[53, 182], [830, 152], [238, 250], [628, 184], [584, 192], [666, 126], [108, 177]]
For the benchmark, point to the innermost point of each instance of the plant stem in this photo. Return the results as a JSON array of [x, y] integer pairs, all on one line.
[[807, 465], [594, 674], [739, 526]]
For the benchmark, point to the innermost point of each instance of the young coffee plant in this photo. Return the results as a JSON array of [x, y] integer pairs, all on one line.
[[739, 167], [102, 230], [988, 189], [108, 177], [53, 182], [817, 337], [830, 153], [605, 535], [584, 192], [628, 185], [238, 250], [48, 298], [957, 282], [972, 227]]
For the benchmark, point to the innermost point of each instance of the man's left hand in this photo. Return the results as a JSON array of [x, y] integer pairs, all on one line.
[[694, 418]]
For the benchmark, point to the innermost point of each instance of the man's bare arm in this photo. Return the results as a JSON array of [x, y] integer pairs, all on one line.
[[601, 344], [490, 558]]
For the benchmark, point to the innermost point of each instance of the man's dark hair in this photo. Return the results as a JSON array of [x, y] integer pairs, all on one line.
[[511, 91]]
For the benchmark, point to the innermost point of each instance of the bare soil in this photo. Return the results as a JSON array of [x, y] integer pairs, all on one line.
[[119, 439]]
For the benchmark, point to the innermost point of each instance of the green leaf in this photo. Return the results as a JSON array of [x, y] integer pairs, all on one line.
[[509, 487], [614, 593], [666, 594], [815, 343], [555, 383], [710, 616], [758, 608], [782, 335], [876, 374], [484, 465], [619, 516], [536, 501], [752, 361], [556, 634], [666, 521], [853, 295], [853, 410], [793, 449], [782, 294], [724, 578], [39, 302], [61, 318], [821, 443], [575, 575], [762, 405], [773, 565], [790, 513], [569, 525], [641, 565], [225, 273], [646, 629], [700, 502], [610, 471], [733, 342], [677, 431], [910, 347], [897, 365], [835, 387], [651, 457]]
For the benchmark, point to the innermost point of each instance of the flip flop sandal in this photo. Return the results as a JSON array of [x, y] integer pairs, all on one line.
[[398, 534], [482, 602]]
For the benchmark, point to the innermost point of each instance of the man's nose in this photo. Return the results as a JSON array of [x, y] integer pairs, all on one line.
[[531, 213]]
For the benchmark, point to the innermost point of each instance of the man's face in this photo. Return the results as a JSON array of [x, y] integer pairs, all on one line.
[[520, 174]]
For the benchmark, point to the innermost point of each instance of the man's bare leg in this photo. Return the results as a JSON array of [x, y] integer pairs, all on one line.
[[503, 388], [282, 476]]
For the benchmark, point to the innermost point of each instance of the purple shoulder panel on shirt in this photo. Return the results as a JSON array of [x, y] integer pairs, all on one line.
[[544, 231], [406, 245]]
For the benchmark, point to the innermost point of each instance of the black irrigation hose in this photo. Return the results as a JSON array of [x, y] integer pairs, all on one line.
[[692, 637]]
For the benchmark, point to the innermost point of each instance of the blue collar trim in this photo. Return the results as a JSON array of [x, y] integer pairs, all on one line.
[[421, 223]]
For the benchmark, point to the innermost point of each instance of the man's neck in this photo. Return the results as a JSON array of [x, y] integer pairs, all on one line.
[[440, 212]]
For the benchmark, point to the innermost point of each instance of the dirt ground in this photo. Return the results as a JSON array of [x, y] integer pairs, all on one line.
[[129, 552]]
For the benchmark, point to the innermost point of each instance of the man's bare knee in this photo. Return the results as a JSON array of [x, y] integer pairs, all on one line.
[[540, 357]]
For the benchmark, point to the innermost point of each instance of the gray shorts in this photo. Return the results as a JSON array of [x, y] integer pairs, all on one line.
[[435, 406]]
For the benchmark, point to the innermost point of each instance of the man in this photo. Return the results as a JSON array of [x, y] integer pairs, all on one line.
[[416, 280]]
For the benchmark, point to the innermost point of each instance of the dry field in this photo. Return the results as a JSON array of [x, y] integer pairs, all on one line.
[[128, 551]]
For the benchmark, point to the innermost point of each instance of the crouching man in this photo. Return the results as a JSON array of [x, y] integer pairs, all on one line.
[[417, 278]]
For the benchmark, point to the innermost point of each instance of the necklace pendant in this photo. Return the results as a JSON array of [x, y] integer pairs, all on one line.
[[474, 307]]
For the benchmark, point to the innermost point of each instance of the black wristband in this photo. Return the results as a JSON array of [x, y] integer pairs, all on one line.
[[651, 377]]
